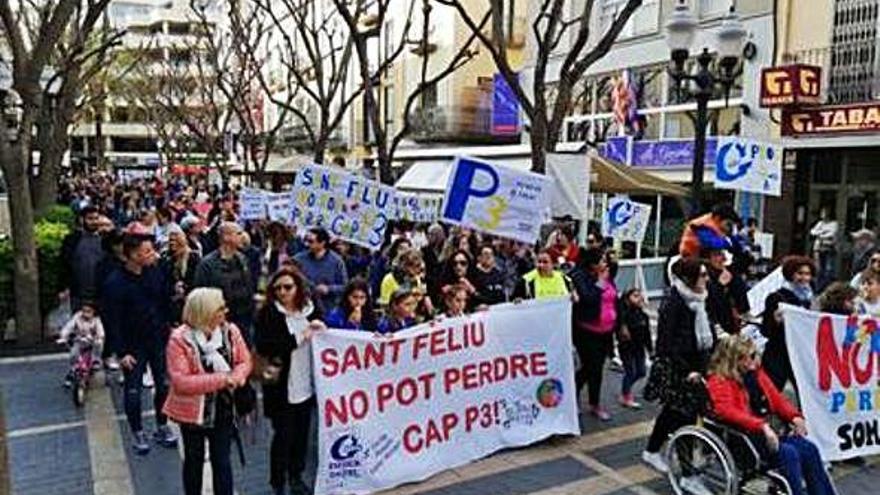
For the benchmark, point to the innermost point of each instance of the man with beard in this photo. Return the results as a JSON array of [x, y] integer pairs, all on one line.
[[81, 252]]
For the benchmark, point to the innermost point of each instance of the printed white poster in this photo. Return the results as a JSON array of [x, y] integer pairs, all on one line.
[[496, 199], [626, 220], [748, 165], [400, 409], [835, 363]]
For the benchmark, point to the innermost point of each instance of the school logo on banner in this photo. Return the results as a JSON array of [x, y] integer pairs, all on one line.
[[836, 363], [626, 220], [748, 165], [440, 395], [496, 199]]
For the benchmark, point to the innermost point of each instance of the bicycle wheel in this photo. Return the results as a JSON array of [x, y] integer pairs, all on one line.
[[700, 463]]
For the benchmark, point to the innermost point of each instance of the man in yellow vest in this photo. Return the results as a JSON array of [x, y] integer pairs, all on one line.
[[545, 281]]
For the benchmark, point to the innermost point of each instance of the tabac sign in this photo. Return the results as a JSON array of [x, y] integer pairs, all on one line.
[[790, 85], [864, 117]]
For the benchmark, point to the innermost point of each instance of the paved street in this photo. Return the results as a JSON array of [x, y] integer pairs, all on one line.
[[54, 448]]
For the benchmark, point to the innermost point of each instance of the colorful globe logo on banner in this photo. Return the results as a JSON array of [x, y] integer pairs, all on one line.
[[550, 393]]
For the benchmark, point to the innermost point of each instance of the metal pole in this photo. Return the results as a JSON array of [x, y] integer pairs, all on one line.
[[699, 152], [657, 224]]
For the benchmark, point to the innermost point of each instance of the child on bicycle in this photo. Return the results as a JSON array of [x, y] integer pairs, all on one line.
[[83, 327]]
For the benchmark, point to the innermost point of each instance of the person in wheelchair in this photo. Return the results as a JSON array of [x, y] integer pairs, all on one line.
[[744, 397]]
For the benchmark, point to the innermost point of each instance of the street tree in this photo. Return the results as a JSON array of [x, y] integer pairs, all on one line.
[[562, 27], [32, 32]]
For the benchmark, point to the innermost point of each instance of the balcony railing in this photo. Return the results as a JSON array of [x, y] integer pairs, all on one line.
[[850, 72], [447, 123]]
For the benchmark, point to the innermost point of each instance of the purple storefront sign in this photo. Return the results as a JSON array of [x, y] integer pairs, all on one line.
[[658, 154]]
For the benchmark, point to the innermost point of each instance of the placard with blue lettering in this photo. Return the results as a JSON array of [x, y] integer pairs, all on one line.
[[414, 207], [496, 199], [349, 206], [626, 220], [252, 204], [748, 165], [279, 205]]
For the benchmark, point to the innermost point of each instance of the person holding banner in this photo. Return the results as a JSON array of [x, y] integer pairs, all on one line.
[[684, 345], [744, 397], [401, 312], [284, 328], [355, 311], [798, 272]]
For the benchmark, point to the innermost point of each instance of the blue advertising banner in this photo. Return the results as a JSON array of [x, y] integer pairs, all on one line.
[[505, 108]]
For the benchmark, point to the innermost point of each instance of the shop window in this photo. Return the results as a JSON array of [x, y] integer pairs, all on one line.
[[679, 126], [827, 171]]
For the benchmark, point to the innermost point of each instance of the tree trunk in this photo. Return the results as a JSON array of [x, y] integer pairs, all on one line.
[[538, 141], [29, 325]]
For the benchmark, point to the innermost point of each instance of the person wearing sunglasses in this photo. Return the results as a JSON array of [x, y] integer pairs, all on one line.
[[458, 271], [744, 397], [285, 325], [684, 344]]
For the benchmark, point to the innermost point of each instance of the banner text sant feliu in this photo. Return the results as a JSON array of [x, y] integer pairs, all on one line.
[[836, 363], [436, 396]]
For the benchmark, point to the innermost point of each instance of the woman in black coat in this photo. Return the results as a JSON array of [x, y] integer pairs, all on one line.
[[798, 272], [684, 344], [284, 328]]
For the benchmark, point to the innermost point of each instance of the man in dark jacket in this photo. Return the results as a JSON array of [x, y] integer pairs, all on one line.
[[138, 299], [488, 279], [727, 299], [323, 268], [81, 253], [228, 270]]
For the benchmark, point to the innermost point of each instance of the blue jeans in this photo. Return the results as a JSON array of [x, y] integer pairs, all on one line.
[[633, 368], [799, 460], [154, 355], [219, 439]]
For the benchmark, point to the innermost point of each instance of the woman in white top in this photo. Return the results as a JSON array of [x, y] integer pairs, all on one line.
[[284, 327]]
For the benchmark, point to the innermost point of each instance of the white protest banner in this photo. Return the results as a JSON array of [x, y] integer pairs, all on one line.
[[440, 395], [626, 220], [748, 165], [279, 206], [758, 293], [252, 204], [836, 366], [414, 207], [496, 199], [349, 206]]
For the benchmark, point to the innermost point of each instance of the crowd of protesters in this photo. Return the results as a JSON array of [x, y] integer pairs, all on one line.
[[203, 301]]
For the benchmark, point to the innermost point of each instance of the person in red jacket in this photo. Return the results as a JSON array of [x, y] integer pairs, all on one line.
[[744, 397]]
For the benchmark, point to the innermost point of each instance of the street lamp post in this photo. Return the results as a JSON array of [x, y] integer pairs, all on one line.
[[681, 29]]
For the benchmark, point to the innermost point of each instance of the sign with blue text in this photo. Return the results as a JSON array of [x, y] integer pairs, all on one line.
[[496, 199], [748, 165], [252, 204], [626, 220], [349, 206]]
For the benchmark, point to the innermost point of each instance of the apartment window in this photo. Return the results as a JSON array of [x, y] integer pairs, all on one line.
[[645, 20], [714, 8], [855, 61]]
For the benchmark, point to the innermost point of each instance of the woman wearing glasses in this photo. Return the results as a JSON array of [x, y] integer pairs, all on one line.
[[285, 325]]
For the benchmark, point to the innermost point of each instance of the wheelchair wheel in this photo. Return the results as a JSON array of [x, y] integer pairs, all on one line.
[[700, 463]]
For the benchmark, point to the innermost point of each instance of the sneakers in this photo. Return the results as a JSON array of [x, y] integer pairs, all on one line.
[[600, 413], [694, 485], [140, 443], [656, 461], [629, 402], [68, 379], [165, 437]]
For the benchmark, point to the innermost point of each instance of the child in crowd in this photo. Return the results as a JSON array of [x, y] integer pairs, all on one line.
[[85, 324], [633, 343], [868, 302], [401, 312]]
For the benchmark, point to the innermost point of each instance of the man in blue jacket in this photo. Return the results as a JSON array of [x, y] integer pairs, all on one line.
[[138, 309]]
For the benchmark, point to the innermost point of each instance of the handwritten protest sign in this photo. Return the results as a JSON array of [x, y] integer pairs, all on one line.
[[417, 207], [748, 165], [834, 359], [349, 206], [280, 206], [438, 396], [252, 204], [496, 199], [626, 220]]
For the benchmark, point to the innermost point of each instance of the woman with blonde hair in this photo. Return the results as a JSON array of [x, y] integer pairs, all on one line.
[[744, 397], [207, 359]]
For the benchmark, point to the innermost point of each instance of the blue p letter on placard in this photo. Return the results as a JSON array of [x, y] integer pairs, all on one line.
[[463, 187]]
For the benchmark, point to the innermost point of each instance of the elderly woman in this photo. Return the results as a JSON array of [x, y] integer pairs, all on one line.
[[207, 360], [179, 263], [744, 397]]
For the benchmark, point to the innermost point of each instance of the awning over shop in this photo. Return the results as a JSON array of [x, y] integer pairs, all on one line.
[[607, 176]]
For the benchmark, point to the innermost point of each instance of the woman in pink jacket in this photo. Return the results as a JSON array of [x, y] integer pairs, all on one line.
[[207, 360]]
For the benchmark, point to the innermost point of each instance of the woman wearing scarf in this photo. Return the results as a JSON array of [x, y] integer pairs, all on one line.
[[684, 344], [207, 360], [798, 272], [179, 262], [285, 325]]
